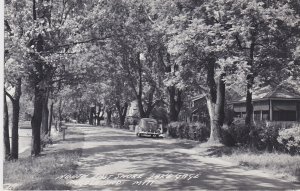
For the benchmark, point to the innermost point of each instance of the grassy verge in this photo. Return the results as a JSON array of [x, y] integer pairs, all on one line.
[[41, 173], [279, 164]]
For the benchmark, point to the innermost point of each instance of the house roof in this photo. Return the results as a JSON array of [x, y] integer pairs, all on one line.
[[266, 93]]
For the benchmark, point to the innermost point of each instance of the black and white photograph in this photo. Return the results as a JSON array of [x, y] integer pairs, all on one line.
[[129, 95]]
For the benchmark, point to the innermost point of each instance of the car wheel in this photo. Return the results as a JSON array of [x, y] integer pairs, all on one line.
[[137, 134]]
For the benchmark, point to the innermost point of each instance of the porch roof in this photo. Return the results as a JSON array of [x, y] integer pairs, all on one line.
[[267, 93]]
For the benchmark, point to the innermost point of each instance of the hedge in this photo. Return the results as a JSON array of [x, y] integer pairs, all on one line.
[[192, 131]]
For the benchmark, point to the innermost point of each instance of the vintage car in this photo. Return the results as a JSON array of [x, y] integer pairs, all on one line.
[[148, 126]]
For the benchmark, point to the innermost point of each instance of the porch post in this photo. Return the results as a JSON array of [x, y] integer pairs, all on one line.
[[253, 118], [271, 111], [297, 111], [261, 115]]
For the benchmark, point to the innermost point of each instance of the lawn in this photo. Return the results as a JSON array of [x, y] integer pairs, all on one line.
[[279, 164], [41, 173]]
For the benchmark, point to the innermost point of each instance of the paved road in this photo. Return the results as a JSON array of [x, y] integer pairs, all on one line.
[[116, 159]]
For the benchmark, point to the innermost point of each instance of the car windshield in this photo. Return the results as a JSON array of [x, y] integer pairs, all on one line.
[[149, 123]]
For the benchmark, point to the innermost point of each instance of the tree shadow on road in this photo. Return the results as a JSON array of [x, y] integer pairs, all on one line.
[[134, 155]]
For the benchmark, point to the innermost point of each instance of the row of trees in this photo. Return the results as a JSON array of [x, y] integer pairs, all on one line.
[[80, 54]]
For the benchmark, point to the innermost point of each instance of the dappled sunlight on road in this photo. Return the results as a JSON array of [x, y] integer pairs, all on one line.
[[116, 159]]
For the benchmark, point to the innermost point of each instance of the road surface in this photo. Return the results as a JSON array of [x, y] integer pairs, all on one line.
[[115, 159]]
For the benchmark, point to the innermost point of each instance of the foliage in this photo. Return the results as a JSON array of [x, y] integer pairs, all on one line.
[[290, 138], [235, 134], [263, 137], [193, 131], [114, 52]]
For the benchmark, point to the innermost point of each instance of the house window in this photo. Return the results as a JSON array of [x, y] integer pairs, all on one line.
[[284, 115], [193, 104], [257, 115], [195, 118], [265, 115]]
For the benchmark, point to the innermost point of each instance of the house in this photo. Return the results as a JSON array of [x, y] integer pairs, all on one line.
[[279, 104], [133, 109], [196, 110]]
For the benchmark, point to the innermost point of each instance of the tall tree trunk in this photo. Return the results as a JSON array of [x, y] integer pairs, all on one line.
[[215, 132], [6, 130], [98, 114], [15, 121], [51, 117], [122, 110], [175, 104], [124, 113], [91, 118], [220, 102], [215, 102], [36, 121], [108, 117], [141, 108], [150, 104], [45, 114], [250, 81], [38, 77], [60, 110]]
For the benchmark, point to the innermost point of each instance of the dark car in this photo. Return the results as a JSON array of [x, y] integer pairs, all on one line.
[[148, 126]]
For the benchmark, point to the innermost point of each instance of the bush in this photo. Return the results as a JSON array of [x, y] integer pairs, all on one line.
[[290, 139], [263, 137], [267, 137], [234, 135], [192, 131]]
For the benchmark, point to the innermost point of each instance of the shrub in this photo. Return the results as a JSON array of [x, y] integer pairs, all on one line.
[[235, 134], [267, 137], [261, 136], [192, 131], [290, 139]]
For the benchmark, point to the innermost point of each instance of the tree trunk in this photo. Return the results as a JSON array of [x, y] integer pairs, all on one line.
[[220, 102], [98, 114], [215, 132], [108, 117], [122, 110], [38, 77], [51, 117], [141, 108], [15, 121], [6, 130], [91, 118], [59, 112], [175, 104], [250, 81], [150, 104], [36, 121], [45, 114], [215, 102]]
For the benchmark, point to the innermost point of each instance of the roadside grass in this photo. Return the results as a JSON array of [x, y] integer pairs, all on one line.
[[279, 164], [41, 173]]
